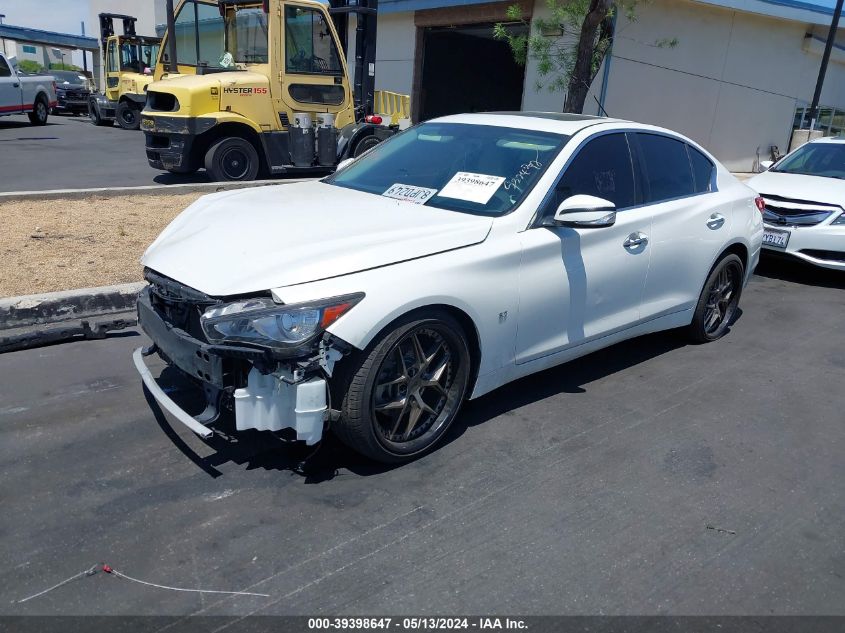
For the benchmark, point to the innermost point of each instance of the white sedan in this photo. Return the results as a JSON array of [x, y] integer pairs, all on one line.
[[805, 203], [460, 255]]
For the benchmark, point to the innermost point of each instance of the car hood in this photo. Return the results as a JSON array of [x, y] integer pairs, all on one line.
[[800, 187], [268, 237]]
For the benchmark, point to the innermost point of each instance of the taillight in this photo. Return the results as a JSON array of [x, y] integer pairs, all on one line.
[[761, 204], [374, 119]]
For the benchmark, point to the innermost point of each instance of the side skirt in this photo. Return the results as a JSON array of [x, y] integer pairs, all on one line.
[[495, 379]]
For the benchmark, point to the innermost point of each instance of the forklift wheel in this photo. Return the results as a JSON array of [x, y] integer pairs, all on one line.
[[365, 144], [94, 115], [127, 116], [232, 158]]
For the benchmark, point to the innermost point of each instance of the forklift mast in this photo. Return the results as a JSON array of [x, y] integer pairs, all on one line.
[[107, 25], [366, 12]]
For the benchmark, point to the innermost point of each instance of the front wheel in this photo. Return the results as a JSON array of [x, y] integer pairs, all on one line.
[[232, 158], [127, 116], [718, 302], [404, 391], [40, 111], [94, 115]]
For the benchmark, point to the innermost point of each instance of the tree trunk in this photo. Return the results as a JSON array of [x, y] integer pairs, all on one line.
[[579, 81]]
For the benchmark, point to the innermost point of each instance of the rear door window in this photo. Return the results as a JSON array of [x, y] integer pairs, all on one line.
[[602, 168], [702, 170], [5, 71], [666, 167]]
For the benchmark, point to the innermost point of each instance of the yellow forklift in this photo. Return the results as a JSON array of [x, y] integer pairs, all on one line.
[[260, 87], [129, 65]]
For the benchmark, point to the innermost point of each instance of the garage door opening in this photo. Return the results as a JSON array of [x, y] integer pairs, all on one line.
[[465, 70]]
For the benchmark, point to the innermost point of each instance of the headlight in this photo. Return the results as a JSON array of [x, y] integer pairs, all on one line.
[[840, 219], [262, 321]]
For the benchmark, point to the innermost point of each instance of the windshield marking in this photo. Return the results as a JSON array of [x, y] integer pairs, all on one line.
[[524, 171], [472, 187], [409, 193]]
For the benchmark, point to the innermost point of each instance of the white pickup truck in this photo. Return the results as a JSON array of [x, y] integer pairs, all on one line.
[[33, 95]]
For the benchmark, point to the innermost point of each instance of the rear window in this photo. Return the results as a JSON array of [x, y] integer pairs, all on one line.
[[666, 167]]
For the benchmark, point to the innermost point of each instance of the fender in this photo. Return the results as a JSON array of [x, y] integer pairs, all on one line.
[[350, 134]]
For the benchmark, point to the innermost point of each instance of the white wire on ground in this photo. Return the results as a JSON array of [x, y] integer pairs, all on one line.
[[152, 584], [87, 572]]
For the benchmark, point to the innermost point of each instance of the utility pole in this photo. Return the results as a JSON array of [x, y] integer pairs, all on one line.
[[84, 52], [831, 37]]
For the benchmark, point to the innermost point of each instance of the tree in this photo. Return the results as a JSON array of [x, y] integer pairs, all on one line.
[[30, 67], [62, 66], [570, 45]]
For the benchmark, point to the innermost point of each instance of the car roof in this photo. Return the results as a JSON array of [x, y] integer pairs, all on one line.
[[829, 139], [557, 122]]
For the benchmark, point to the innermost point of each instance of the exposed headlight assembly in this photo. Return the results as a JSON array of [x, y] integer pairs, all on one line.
[[262, 321]]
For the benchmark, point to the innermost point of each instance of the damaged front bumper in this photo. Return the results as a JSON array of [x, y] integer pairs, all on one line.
[[266, 396]]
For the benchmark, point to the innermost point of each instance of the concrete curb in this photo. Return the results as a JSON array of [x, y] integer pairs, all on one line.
[[35, 320], [67, 305], [146, 190]]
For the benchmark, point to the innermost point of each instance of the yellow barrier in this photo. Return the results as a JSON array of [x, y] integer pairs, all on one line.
[[392, 105]]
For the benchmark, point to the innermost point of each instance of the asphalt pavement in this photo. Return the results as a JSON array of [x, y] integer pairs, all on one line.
[[653, 477], [71, 153]]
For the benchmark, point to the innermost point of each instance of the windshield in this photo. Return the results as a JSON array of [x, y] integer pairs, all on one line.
[[246, 35], [67, 76], [472, 168], [815, 159], [139, 58]]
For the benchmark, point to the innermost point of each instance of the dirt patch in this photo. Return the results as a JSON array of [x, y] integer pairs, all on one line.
[[48, 245]]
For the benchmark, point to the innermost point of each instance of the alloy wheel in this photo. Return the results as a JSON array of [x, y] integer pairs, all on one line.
[[721, 299], [412, 389]]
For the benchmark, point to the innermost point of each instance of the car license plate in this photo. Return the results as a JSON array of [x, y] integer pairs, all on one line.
[[148, 124], [774, 237]]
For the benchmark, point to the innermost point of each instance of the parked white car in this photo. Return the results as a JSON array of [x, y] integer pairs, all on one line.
[[460, 255], [34, 95], [805, 203]]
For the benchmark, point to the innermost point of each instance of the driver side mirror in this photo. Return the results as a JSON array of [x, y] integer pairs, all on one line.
[[585, 212]]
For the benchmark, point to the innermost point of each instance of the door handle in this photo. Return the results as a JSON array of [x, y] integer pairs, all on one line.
[[635, 239], [715, 221]]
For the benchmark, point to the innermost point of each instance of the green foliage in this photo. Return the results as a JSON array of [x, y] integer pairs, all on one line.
[[61, 66], [30, 67], [552, 42]]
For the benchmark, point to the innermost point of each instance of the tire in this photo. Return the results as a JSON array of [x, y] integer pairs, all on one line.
[[40, 112], [94, 115], [128, 116], [365, 144], [231, 159], [372, 387], [719, 300]]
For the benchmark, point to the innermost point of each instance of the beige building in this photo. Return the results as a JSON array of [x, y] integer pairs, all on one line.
[[741, 73]]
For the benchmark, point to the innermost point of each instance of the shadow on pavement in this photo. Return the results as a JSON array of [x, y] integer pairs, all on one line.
[[797, 271], [256, 449]]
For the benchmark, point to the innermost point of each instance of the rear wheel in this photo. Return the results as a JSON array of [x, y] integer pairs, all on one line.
[[127, 115], [232, 158], [40, 112], [365, 144], [719, 300], [404, 391]]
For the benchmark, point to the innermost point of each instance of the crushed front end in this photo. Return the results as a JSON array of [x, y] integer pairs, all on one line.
[[230, 349]]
